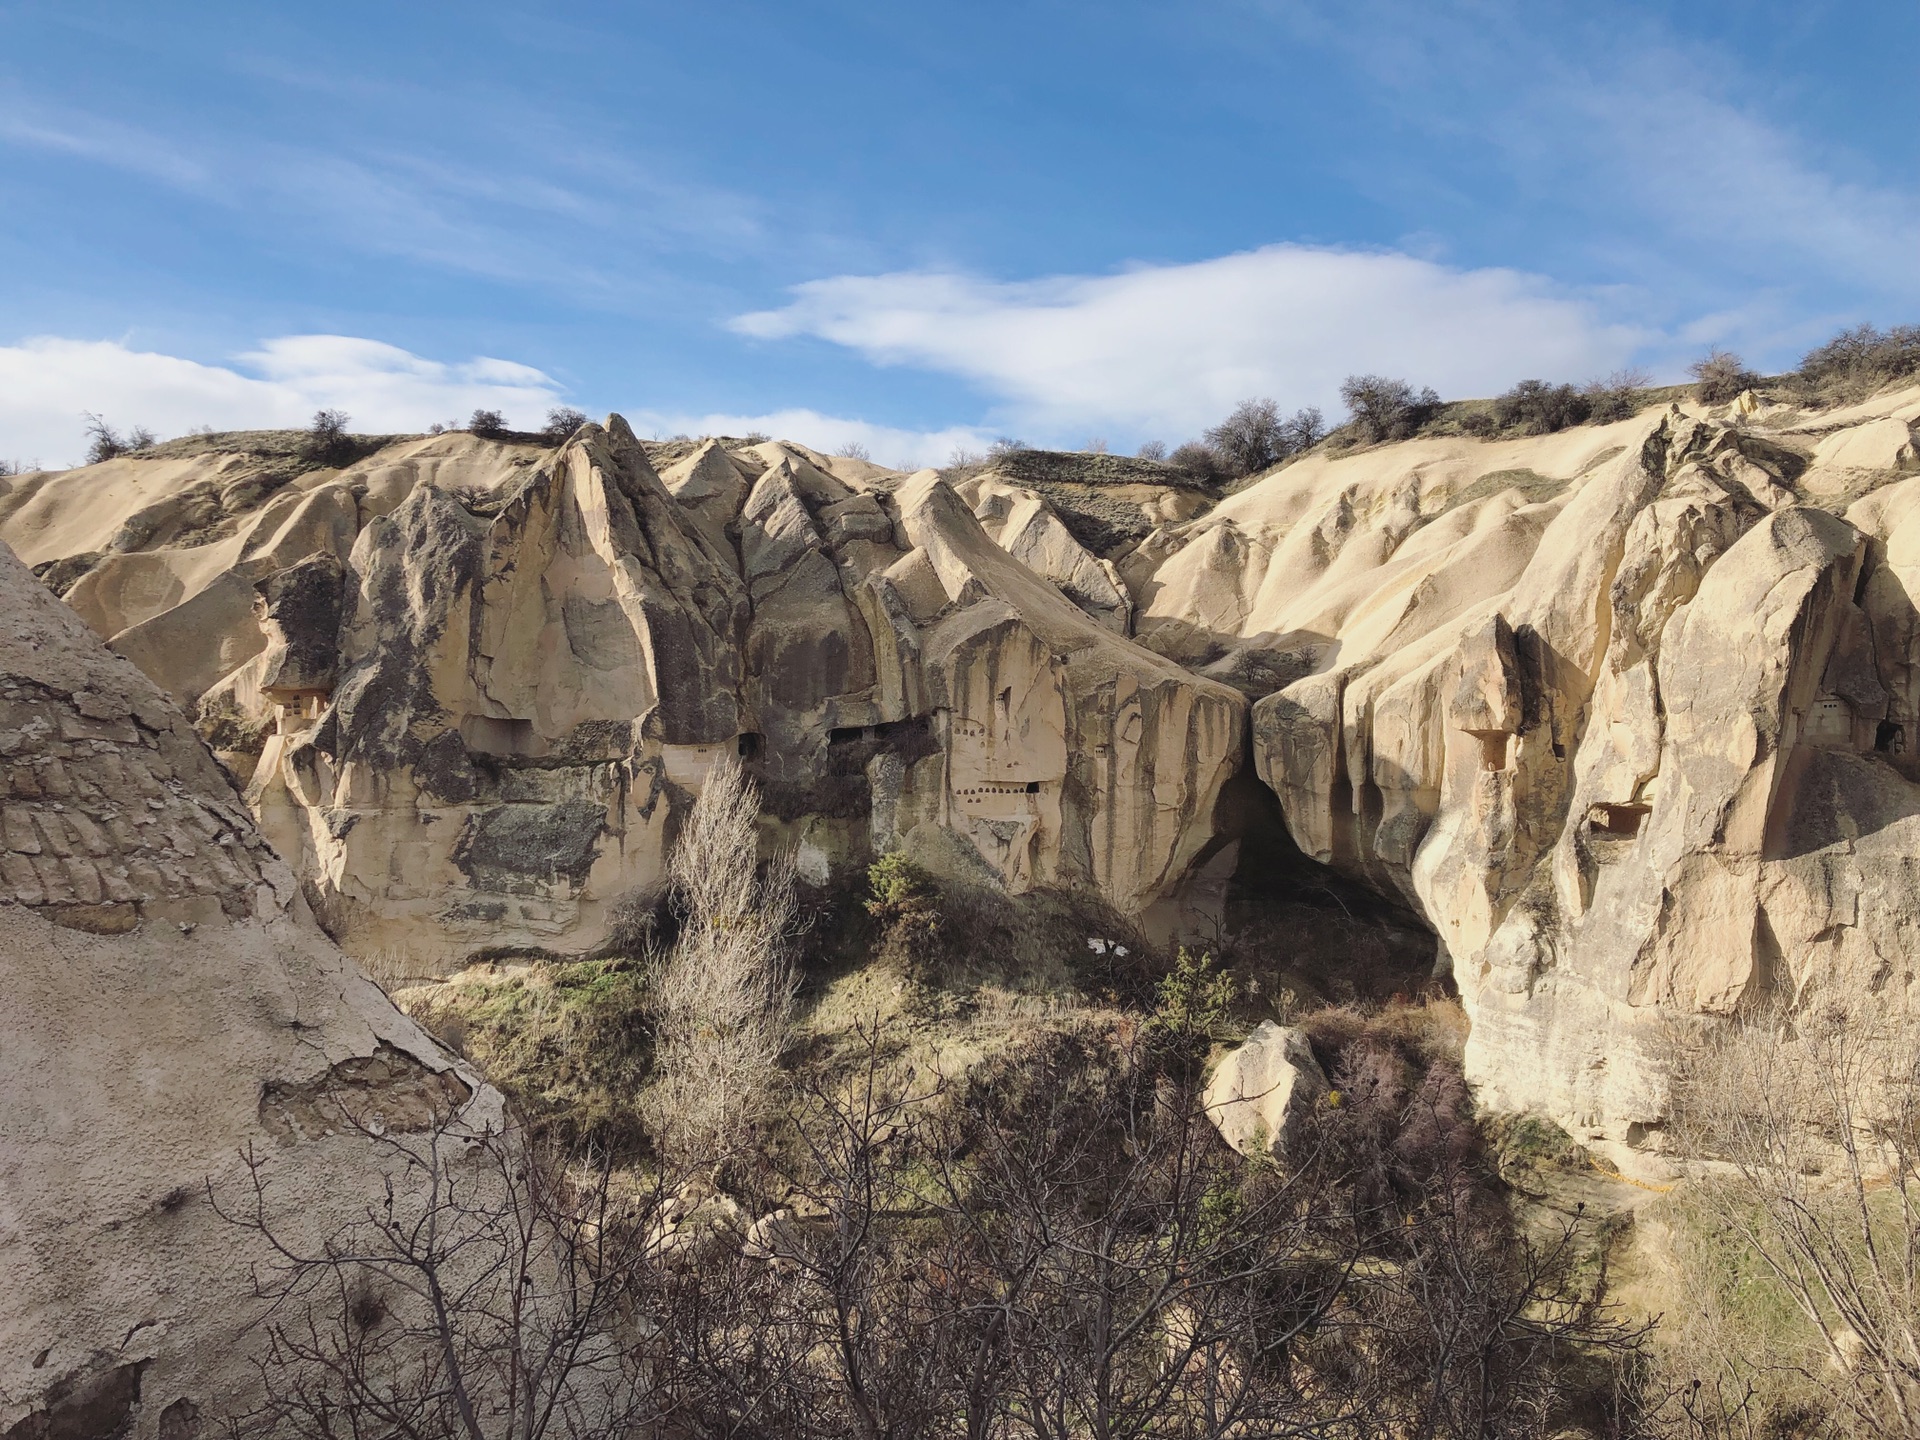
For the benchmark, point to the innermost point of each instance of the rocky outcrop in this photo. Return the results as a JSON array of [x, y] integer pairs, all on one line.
[[169, 1005], [1623, 712], [473, 702], [1262, 1092]]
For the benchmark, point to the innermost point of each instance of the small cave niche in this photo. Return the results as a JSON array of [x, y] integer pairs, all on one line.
[[749, 744], [1619, 820], [1494, 745], [1829, 724], [498, 735], [1890, 738]]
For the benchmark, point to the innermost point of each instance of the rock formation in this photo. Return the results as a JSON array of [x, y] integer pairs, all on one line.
[[1263, 1089], [1625, 713], [169, 1004], [474, 683]]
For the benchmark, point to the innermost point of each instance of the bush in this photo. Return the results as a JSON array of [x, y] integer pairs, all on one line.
[[1721, 375], [487, 424], [1533, 407], [854, 450], [1384, 409], [327, 441], [1195, 999], [1199, 460], [105, 443], [901, 896], [1862, 359], [1254, 437], [1152, 450], [562, 421], [1005, 446], [1618, 397], [722, 999]]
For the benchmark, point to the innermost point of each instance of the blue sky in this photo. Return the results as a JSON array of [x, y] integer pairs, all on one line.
[[919, 225]]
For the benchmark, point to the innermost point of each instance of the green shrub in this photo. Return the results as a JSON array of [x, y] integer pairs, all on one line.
[[1195, 998]]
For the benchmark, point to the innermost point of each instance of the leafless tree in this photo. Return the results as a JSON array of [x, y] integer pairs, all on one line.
[[1387, 409], [1813, 1106], [1722, 375], [106, 443], [723, 995], [562, 421], [492, 1294]]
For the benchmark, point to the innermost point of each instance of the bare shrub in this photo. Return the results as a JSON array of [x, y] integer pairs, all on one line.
[[1004, 446], [1533, 407], [487, 424], [1385, 409], [1199, 460], [105, 443], [1618, 397], [1858, 361], [1814, 1109], [723, 996], [1095, 446], [487, 1297], [854, 450], [1721, 375], [562, 421], [1152, 450], [326, 441], [1255, 437]]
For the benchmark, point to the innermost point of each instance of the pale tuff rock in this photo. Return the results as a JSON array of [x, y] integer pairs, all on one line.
[[169, 1003], [474, 684], [1622, 714], [1627, 712], [1262, 1091]]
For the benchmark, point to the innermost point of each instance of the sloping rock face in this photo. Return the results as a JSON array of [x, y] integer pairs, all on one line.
[[168, 1004], [475, 684], [1623, 712]]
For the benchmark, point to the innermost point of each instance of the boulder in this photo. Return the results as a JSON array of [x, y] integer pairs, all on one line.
[[171, 1009], [1262, 1091]]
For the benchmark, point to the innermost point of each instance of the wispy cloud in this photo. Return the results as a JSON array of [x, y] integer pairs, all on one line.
[[889, 445], [1663, 144], [1170, 348], [104, 142], [47, 382]]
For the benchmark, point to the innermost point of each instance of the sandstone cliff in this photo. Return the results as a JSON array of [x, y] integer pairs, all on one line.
[[1624, 712], [168, 1004], [474, 683]]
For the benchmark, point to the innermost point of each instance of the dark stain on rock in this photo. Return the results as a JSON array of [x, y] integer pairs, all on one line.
[[512, 849]]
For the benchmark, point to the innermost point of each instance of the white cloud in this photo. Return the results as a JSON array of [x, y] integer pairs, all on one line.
[[46, 382], [885, 444], [1168, 349]]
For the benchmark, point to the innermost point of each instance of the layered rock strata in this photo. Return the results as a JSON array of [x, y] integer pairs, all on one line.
[[170, 1007]]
